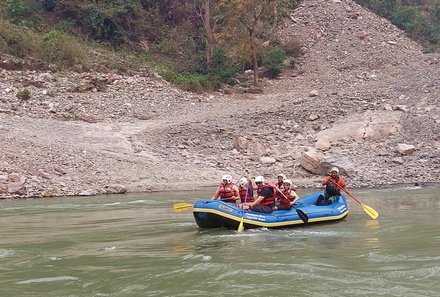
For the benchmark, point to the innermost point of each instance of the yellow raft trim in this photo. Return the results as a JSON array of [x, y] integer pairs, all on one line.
[[269, 225]]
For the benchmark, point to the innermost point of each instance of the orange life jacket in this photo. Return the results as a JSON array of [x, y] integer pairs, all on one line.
[[339, 182], [226, 192]]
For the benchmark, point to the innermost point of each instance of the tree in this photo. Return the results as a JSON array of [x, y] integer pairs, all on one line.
[[204, 9], [244, 26]]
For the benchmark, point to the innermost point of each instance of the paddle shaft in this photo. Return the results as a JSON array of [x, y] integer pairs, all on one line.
[[241, 225], [279, 191], [181, 206], [338, 187], [302, 215], [351, 196], [367, 209]]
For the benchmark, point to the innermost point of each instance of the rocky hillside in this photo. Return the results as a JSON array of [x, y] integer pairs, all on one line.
[[364, 97]]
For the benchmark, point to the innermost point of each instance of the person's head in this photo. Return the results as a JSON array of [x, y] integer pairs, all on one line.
[[334, 171], [227, 178], [259, 180], [281, 177], [243, 181], [287, 183]]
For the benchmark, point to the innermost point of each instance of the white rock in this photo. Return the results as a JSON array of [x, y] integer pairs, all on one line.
[[405, 149]]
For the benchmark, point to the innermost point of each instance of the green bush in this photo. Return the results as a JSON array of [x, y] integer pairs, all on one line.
[[24, 94], [167, 47], [221, 67], [385, 8], [60, 48], [408, 18], [293, 47], [49, 5], [420, 19], [189, 81], [102, 24], [17, 10], [66, 26], [273, 61], [435, 13], [18, 41]]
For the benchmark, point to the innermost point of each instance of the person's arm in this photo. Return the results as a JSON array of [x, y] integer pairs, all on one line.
[[256, 201], [235, 193], [342, 184], [295, 197], [325, 180], [216, 194]]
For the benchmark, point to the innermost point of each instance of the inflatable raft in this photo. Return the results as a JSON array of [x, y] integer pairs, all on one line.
[[215, 214]]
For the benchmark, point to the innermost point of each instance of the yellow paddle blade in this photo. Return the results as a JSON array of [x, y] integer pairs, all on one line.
[[241, 226], [181, 206], [370, 211]]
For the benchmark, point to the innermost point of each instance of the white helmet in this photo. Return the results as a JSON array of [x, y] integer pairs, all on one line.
[[282, 175], [335, 169], [259, 179], [227, 178], [288, 181], [243, 181]]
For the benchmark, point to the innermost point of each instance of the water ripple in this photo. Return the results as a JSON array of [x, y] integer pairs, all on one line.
[[6, 253], [47, 280]]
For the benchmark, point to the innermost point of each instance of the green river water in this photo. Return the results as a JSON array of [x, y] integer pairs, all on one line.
[[135, 245]]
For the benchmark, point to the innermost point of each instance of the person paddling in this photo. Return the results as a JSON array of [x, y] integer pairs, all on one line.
[[288, 196], [333, 184], [227, 190], [246, 190], [266, 197]]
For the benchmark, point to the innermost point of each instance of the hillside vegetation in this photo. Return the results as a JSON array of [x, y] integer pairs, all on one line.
[[197, 44]]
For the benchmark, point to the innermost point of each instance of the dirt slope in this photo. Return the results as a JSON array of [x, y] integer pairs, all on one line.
[[372, 90]]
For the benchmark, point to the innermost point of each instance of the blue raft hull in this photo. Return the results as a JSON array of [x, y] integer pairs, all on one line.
[[215, 214]]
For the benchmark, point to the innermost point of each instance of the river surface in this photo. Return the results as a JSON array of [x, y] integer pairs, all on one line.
[[136, 245]]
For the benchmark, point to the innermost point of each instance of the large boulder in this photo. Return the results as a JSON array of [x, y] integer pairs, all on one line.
[[310, 161], [373, 125]]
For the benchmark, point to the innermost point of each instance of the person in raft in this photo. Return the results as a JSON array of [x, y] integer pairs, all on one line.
[[280, 185], [280, 181], [333, 185], [288, 196], [265, 197], [246, 189], [227, 191]]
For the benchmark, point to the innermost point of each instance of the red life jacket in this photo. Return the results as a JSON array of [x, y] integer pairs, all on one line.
[[226, 192], [277, 193], [267, 200], [246, 193], [285, 201]]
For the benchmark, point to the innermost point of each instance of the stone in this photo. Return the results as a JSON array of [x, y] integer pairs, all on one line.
[[14, 177], [313, 117], [115, 189], [267, 160], [313, 93], [405, 149], [310, 161], [241, 143], [323, 143]]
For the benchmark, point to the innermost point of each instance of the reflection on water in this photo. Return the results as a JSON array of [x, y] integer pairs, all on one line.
[[135, 245]]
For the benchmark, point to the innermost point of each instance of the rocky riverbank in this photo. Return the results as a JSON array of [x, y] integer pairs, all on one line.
[[363, 97]]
